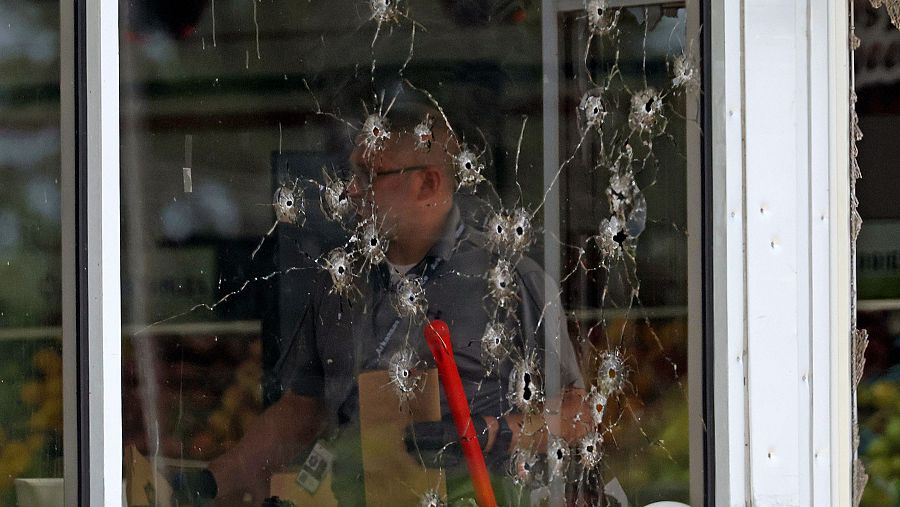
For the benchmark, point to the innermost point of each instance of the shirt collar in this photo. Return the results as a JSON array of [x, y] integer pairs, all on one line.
[[450, 233]]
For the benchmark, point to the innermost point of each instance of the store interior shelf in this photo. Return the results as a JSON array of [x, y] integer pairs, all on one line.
[[877, 305], [633, 313], [235, 327]]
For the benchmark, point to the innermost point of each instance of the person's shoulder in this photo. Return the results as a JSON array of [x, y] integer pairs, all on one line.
[[473, 239], [528, 267], [473, 242]]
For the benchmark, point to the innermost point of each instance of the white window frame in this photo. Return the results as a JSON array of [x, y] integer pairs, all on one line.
[[780, 322], [91, 286], [781, 252]]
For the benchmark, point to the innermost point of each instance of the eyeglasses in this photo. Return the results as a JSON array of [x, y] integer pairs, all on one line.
[[364, 176]]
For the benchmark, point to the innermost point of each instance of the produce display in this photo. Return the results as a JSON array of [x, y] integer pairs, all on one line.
[[31, 416], [649, 427], [879, 416], [208, 393]]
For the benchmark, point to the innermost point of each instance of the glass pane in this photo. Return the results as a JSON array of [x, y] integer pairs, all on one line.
[[878, 248], [627, 288], [308, 186], [30, 304]]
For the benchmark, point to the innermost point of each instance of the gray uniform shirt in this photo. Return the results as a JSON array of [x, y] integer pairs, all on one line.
[[338, 337]]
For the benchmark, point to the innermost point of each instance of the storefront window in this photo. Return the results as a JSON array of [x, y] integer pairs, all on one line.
[[878, 254], [30, 304], [308, 186]]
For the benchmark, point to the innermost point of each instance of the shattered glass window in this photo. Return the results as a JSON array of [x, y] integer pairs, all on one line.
[[876, 225], [362, 266]]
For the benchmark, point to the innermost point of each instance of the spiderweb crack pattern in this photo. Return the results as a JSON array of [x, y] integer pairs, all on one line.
[[617, 120]]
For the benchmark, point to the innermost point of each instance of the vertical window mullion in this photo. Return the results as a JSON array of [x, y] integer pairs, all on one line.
[[90, 239]]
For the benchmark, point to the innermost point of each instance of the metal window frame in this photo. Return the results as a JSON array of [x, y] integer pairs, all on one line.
[[91, 289]]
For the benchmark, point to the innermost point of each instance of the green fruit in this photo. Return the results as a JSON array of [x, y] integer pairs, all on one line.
[[880, 467], [878, 447], [892, 431], [885, 393], [895, 466]]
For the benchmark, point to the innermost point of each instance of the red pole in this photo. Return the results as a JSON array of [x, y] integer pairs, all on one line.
[[437, 335]]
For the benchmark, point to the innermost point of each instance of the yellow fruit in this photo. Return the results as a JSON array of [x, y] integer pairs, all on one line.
[[32, 393], [885, 393], [232, 399], [35, 441], [220, 423], [47, 417], [53, 388], [17, 456], [47, 361], [256, 396]]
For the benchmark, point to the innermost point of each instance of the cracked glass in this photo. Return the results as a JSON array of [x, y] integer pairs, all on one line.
[[876, 375], [362, 266]]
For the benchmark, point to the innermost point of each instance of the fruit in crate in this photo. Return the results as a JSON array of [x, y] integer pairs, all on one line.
[[879, 408], [35, 422], [44, 393]]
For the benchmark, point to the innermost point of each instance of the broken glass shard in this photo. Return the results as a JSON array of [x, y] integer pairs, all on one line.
[[431, 498], [606, 240], [402, 371], [338, 264], [589, 450], [333, 198], [423, 134], [601, 19], [289, 208], [592, 110], [610, 374], [468, 168], [524, 392], [409, 297], [557, 457], [369, 242], [646, 112], [596, 406], [509, 231], [501, 284], [495, 344], [523, 467], [375, 133], [685, 75]]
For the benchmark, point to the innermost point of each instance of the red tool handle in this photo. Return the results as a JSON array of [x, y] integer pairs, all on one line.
[[437, 335]]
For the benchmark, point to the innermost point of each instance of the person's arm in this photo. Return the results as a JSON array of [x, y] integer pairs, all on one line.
[[534, 313], [572, 427], [274, 440]]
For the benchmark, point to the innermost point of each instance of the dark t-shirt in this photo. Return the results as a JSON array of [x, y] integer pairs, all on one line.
[[338, 337]]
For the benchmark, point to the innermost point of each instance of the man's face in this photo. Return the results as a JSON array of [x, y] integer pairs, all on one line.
[[382, 185]]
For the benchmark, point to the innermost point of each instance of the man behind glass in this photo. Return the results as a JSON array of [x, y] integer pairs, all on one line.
[[409, 190]]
